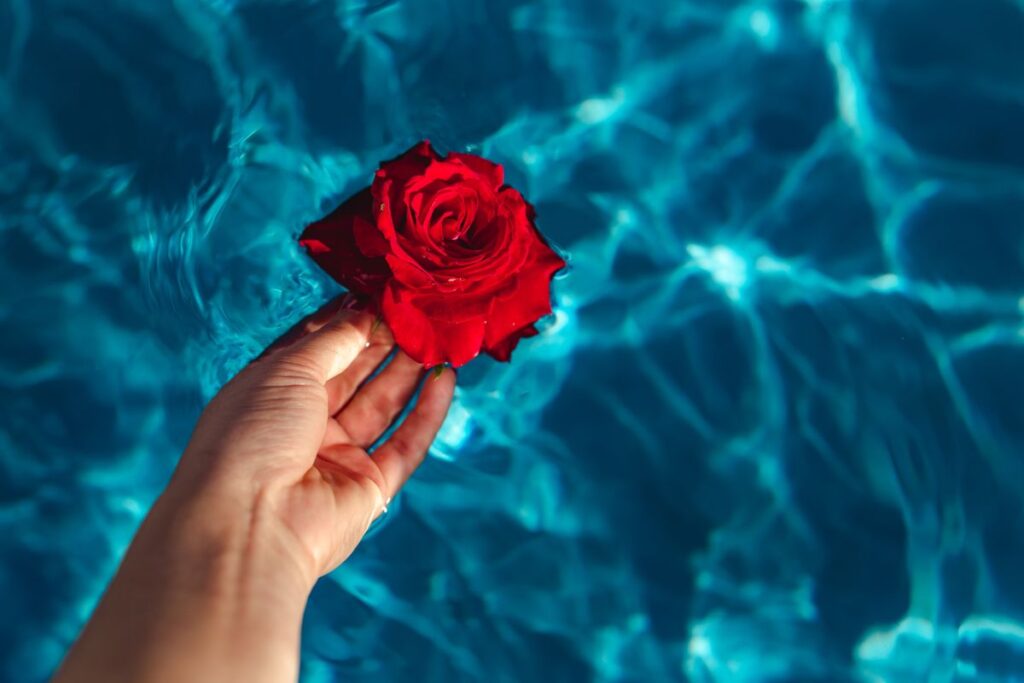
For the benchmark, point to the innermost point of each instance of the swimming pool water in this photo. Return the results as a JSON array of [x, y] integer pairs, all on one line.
[[773, 433]]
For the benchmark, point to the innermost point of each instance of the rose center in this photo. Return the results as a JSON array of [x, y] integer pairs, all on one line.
[[453, 229], [452, 218]]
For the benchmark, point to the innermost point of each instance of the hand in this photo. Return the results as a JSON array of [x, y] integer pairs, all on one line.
[[292, 431], [275, 489]]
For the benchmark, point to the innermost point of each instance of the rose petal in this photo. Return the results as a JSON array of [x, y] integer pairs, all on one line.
[[404, 266], [368, 238], [315, 247], [332, 244], [409, 272], [410, 163], [502, 351], [427, 340], [455, 305], [493, 173], [528, 300]]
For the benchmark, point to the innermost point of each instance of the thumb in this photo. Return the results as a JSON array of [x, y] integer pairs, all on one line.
[[272, 417], [324, 353]]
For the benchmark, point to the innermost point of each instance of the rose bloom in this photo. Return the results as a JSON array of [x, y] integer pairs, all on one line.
[[448, 253]]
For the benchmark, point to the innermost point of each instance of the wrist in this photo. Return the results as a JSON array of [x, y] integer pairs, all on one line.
[[226, 547], [200, 578]]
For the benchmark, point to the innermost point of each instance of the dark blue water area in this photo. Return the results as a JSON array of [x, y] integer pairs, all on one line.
[[773, 432]]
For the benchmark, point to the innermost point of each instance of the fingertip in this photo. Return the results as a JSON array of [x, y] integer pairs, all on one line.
[[361, 321], [441, 384], [332, 348]]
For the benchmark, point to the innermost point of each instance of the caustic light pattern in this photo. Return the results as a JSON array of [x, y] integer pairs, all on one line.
[[772, 432]]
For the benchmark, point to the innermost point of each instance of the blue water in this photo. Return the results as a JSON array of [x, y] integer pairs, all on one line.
[[774, 432]]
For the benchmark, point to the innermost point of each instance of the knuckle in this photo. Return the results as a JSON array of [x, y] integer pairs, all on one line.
[[341, 323], [364, 484], [293, 368], [404, 447], [370, 486], [341, 387], [381, 404], [354, 323]]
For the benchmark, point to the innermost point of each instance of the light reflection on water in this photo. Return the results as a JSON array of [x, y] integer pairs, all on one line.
[[772, 432]]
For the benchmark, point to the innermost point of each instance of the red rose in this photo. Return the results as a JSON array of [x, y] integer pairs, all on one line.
[[448, 252]]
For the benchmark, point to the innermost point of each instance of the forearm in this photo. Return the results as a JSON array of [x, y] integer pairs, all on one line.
[[197, 599]]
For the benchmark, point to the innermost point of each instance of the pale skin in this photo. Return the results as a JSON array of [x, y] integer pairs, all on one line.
[[275, 489]]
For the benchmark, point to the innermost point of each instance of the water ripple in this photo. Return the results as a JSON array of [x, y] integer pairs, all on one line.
[[772, 431]]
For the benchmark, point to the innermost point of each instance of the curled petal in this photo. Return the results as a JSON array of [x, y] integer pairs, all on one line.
[[410, 163], [493, 173]]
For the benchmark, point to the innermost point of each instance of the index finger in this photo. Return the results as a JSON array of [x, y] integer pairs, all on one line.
[[324, 353], [311, 323]]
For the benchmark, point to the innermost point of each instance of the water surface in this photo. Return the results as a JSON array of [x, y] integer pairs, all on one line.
[[774, 432]]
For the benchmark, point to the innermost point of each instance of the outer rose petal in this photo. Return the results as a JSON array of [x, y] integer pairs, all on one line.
[[454, 305], [408, 271], [493, 173], [315, 247], [503, 350], [528, 301], [369, 240], [332, 244], [409, 163], [430, 341]]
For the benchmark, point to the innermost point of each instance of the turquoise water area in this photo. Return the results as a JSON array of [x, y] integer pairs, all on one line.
[[773, 433]]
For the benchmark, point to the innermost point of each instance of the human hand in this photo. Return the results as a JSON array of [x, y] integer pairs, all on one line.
[[275, 489], [287, 438]]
